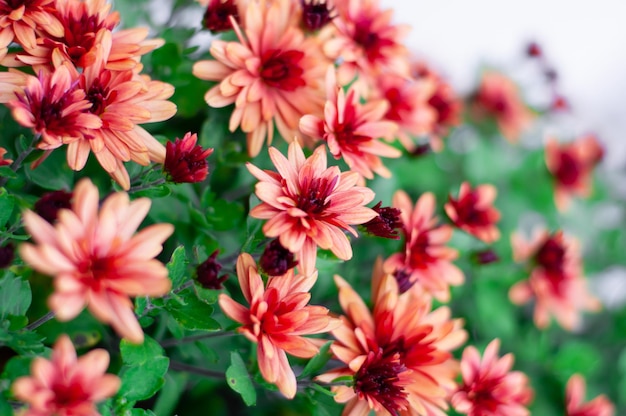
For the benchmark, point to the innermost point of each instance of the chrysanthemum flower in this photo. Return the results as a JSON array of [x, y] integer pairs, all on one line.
[[556, 281], [425, 260], [367, 44], [276, 260], [273, 74], [85, 23], [217, 14], [185, 162], [398, 354], [352, 130], [21, 20], [575, 400], [67, 384], [53, 106], [473, 211], [95, 259], [122, 100], [443, 101], [499, 98], [571, 165], [316, 13], [277, 320], [408, 106], [207, 273], [489, 387], [3, 161], [309, 205], [386, 223]]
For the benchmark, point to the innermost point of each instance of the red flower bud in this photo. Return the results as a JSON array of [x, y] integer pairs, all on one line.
[[50, 203], [185, 162], [217, 15], [386, 224], [276, 260], [207, 273]]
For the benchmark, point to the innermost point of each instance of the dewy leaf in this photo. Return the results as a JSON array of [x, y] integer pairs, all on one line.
[[193, 314], [15, 295], [318, 361], [238, 379], [177, 266]]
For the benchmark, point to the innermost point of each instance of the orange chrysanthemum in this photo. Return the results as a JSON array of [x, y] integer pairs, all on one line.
[[571, 165], [575, 400], [96, 260], [272, 75], [53, 106], [473, 211], [425, 260], [122, 100], [398, 355], [21, 21], [367, 44], [498, 97], [309, 205], [489, 387], [66, 385], [277, 319], [556, 281], [84, 24], [352, 129]]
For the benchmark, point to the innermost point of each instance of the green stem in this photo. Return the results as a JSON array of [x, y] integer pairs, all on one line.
[[138, 188], [175, 365], [40, 321], [20, 158], [193, 338]]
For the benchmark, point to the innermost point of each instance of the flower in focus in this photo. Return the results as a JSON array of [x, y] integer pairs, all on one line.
[[185, 161], [273, 74], [309, 205], [556, 281], [20, 21], [96, 260], [84, 25], [352, 129], [408, 107], [207, 273], [425, 260], [386, 224], [575, 397], [367, 44], [316, 14], [217, 15], [277, 319], [499, 98], [473, 211], [121, 100], [3, 161], [571, 165], [398, 354], [48, 206], [276, 260], [67, 384], [53, 106], [489, 387]]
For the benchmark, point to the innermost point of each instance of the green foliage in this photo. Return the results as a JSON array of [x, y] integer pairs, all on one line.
[[143, 373], [238, 379]]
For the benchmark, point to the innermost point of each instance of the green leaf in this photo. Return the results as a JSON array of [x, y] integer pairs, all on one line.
[[5, 407], [7, 172], [140, 354], [177, 266], [158, 191], [206, 295], [15, 295], [7, 203], [170, 394], [322, 390], [17, 367], [318, 361], [53, 173], [22, 342], [577, 357], [142, 412], [193, 314], [238, 379]]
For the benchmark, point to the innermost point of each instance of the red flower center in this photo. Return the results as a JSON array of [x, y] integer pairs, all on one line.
[[443, 107], [419, 257], [281, 69], [551, 256], [480, 393], [68, 394], [314, 197], [371, 42], [16, 4], [569, 170], [378, 379], [98, 94], [468, 212], [315, 14], [399, 107], [80, 34], [97, 270]]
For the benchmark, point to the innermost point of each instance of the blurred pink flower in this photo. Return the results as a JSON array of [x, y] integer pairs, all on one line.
[[575, 397], [473, 211], [498, 97], [425, 261], [66, 385], [309, 204], [352, 130], [96, 260], [571, 165], [556, 281], [273, 74], [277, 319], [489, 387]]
